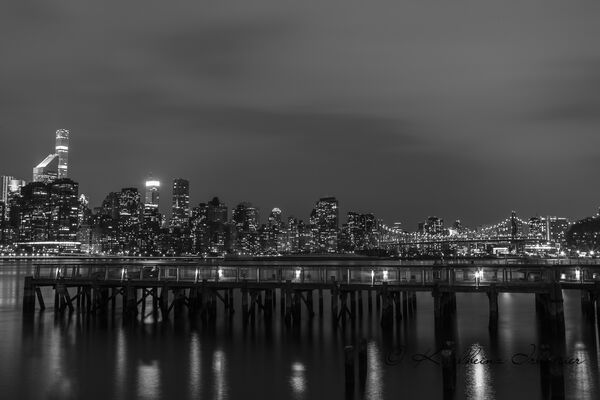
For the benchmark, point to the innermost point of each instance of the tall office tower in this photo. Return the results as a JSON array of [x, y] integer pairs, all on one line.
[[5, 188], [152, 192], [47, 170], [130, 213], [62, 149], [325, 218], [245, 220], [181, 202], [64, 210]]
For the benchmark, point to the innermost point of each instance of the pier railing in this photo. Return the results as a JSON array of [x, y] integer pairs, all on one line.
[[454, 274]]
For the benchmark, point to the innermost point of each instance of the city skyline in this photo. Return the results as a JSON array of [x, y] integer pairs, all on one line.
[[151, 186], [281, 104]]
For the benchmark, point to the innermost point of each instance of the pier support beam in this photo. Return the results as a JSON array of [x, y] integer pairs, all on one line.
[[493, 305], [387, 311], [28, 296]]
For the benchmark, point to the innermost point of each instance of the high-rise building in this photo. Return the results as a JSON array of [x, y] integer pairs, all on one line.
[[64, 210], [47, 170], [152, 192], [4, 188], [181, 202], [62, 149], [245, 223], [325, 222]]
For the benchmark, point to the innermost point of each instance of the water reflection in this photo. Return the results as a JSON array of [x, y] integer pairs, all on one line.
[[298, 380], [95, 358], [148, 380], [478, 377], [374, 388], [220, 376]]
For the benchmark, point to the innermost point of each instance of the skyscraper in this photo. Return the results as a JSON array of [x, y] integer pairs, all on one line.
[[62, 149], [47, 170], [325, 220], [152, 192], [181, 202]]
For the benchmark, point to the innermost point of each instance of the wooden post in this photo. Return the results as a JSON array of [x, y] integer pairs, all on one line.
[[178, 303], [449, 370], [288, 303], [29, 296], [334, 305], [343, 306], [268, 308], [297, 308], [281, 301], [320, 302], [360, 302], [387, 312], [556, 311], [131, 302], [353, 305], [349, 370], [370, 299], [309, 303], [396, 299], [245, 304], [493, 303], [405, 303], [163, 302], [362, 362]]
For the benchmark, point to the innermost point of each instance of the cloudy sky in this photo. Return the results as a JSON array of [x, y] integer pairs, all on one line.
[[405, 109]]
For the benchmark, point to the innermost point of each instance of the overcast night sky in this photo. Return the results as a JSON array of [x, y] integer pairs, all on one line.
[[405, 109]]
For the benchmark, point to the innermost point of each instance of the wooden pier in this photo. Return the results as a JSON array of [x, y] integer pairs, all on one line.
[[160, 288]]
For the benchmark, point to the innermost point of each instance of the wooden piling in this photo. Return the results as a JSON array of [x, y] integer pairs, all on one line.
[[448, 355], [360, 302], [493, 306], [362, 362], [349, 370], [29, 296], [396, 299], [387, 312], [320, 302]]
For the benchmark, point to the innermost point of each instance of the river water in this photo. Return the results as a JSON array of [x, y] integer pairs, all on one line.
[[62, 357]]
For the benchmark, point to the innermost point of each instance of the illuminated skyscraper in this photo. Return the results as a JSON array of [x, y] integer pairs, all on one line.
[[152, 192], [181, 202], [325, 223], [47, 170], [62, 149]]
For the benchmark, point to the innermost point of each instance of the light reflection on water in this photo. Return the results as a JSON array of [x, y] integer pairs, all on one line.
[[298, 380], [478, 377], [85, 358], [374, 389]]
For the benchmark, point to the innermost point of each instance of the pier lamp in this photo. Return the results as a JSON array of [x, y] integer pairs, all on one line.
[[122, 273], [196, 275], [478, 275], [577, 274], [220, 272], [385, 275], [298, 273], [372, 277]]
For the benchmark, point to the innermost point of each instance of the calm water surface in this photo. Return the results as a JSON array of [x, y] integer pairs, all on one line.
[[73, 358]]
